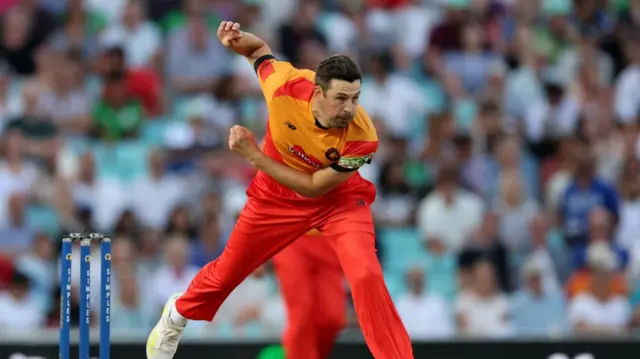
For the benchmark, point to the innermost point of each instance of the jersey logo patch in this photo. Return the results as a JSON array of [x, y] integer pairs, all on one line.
[[332, 154], [298, 151], [353, 163]]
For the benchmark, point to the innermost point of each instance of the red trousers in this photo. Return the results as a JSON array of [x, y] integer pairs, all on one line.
[[312, 286], [264, 229]]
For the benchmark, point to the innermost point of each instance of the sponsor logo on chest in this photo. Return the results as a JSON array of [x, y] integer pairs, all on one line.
[[298, 151]]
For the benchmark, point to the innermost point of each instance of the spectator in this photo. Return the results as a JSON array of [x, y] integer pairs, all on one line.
[[173, 15], [10, 103], [240, 314], [473, 77], [510, 157], [195, 58], [446, 36], [581, 281], [414, 23], [103, 197], [127, 224], [391, 98], [128, 291], [471, 163], [209, 245], [117, 116], [164, 190], [600, 231], [16, 235], [180, 222], [557, 171], [141, 38], [24, 30], [600, 311], [78, 32], [557, 117], [515, 212], [140, 84], [523, 94], [39, 266], [17, 175], [44, 58], [485, 244], [585, 193], [630, 214], [127, 303], [66, 100], [449, 215], [395, 205], [174, 274], [426, 315], [19, 311], [586, 50], [38, 134], [549, 261], [627, 100], [554, 36], [535, 310], [340, 28], [483, 311], [300, 29]]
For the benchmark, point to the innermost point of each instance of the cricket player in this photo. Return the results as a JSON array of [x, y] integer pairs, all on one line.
[[312, 285], [317, 139]]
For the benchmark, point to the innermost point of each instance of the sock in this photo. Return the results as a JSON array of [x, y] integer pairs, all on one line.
[[176, 318]]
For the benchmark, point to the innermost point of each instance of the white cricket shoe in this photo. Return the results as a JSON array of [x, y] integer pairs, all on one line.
[[164, 338]]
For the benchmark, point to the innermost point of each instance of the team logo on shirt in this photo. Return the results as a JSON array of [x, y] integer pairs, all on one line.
[[298, 151], [332, 154]]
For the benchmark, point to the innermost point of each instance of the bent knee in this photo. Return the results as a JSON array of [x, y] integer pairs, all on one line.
[[366, 276]]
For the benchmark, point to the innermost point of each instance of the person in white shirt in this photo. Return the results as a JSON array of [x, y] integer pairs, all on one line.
[[174, 274], [166, 192], [252, 306], [425, 315], [19, 311], [105, 197], [142, 40], [483, 311], [540, 255], [599, 311], [394, 99], [627, 229], [627, 96], [449, 215]]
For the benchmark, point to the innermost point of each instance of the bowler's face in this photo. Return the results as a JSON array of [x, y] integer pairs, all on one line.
[[340, 102]]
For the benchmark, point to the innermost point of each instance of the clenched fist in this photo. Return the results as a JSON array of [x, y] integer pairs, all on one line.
[[229, 33], [242, 142]]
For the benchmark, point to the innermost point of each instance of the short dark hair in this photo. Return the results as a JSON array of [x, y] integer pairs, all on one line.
[[115, 51], [337, 67], [20, 280]]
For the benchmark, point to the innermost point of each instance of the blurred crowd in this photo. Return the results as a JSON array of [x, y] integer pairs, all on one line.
[[508, 173]]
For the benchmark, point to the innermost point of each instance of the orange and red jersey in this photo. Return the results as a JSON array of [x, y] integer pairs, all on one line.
[[295, 138]]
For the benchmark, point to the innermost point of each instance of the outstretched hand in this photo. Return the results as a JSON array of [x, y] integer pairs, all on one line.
[[242, 142], [229, 33]]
